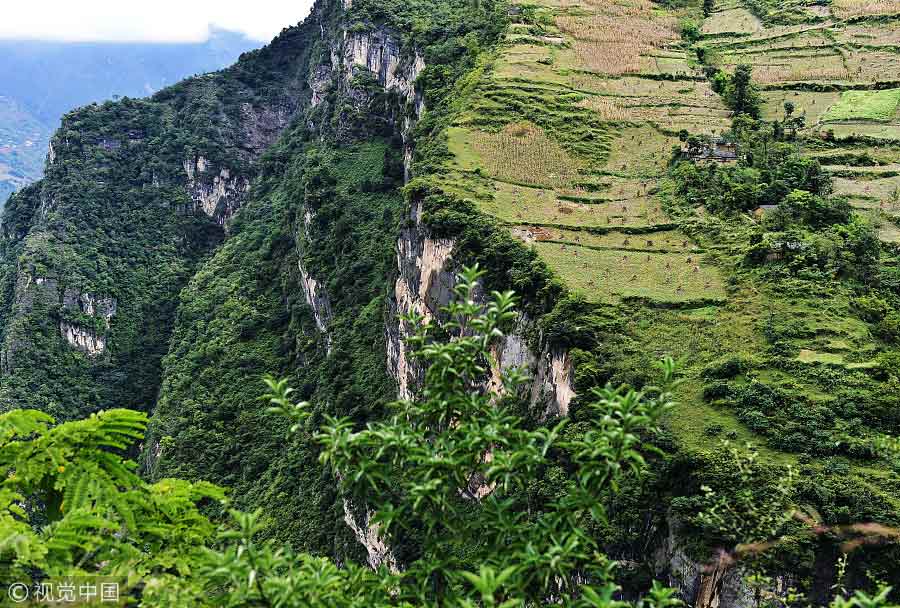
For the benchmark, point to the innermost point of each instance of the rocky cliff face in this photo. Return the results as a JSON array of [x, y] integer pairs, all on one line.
[[720, 583], [425, 266], [214, 193], [426, 276]]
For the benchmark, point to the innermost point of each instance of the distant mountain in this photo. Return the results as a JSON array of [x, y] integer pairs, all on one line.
[[42, 80], [23, 144]]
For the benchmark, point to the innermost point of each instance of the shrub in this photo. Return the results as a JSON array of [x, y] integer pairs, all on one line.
[[889, 328], [715, 390], [725, 369], [871, 308]]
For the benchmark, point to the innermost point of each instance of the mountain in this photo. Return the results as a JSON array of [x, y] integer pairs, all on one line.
[[23, 146], [42, 80], [631, 170]]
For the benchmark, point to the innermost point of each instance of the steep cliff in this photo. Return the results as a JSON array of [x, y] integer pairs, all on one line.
[[303, 284]]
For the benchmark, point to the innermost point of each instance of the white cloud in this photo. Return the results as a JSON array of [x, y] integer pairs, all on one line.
[[147, 20]]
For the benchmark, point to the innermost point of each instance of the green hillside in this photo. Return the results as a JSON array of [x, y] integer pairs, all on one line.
[[715, 182]]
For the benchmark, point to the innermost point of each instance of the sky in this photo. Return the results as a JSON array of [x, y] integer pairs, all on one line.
[[147, 20]]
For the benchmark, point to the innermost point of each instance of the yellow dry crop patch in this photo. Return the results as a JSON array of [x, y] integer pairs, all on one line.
[[606, 58], [737, 20], [877, 189], [844, 9], [775, 34], [618, 38], [824, 68], [875, 172], [870, 34], [662, 112], [810, 40], [523, 153], [520, 204], [867, 65], [889, 232], [812, 356], [520, 153], [607, 275], [662, 241], [632, 86]]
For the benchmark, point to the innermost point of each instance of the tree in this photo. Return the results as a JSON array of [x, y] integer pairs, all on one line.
[[72, 505], [815, 211], [741, 94], [690, 31], [708, 6], [449, 472]]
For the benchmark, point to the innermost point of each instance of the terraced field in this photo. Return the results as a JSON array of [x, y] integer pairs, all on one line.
[[841, 69], [605, 89], [567, 136]]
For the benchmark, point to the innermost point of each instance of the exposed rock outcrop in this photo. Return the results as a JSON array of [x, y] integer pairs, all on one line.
[[367, 533], [90, 304], [719, 583], [552, 388], [91, 340], [261, 125], [319, 82], [71, 303], [83, 338], [217, 194], [319, 303], [379, 52], [424, 284]]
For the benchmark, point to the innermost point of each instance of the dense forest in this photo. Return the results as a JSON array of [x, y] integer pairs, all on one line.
[[464, 303]]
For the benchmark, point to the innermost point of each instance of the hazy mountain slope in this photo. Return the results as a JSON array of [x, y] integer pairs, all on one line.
[[23, 147], [41, 80], [50, 78]]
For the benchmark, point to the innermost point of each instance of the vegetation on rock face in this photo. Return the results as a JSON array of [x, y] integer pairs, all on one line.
[[245, 314], [112, 220], [455, 470], [771, 289], [327, 209]]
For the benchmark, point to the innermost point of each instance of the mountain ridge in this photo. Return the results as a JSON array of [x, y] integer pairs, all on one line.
[[32, 72]]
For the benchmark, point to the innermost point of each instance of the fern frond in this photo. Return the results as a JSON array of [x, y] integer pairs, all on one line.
[[22, 424]]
